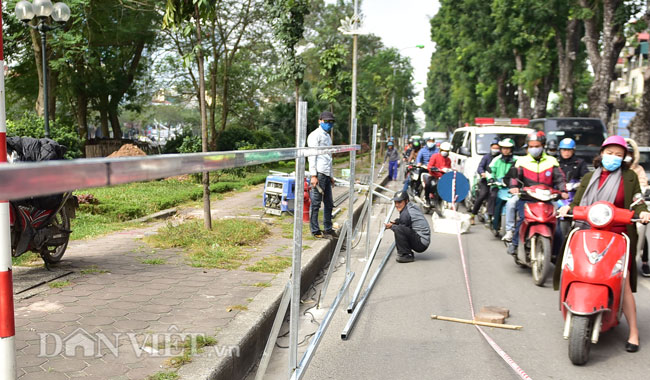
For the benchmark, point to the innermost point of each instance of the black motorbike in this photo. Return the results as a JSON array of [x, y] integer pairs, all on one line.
[[40, 224], [418, 176]]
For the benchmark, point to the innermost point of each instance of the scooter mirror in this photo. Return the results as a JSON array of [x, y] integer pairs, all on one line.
[[636, 199]]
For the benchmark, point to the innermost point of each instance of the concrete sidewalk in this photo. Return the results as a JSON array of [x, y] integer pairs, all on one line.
[[117, 316]]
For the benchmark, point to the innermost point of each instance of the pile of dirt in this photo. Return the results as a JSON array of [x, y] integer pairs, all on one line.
[[128, 150]]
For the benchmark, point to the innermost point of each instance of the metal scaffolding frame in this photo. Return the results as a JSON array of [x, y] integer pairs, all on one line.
[[22, 180]]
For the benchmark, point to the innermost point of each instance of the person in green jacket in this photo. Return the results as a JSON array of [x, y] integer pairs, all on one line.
[[496, 172], [614, 182]]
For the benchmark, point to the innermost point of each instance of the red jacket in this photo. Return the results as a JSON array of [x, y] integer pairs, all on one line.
[[440, 162]]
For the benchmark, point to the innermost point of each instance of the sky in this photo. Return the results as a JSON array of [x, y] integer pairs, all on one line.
[[402, 25]]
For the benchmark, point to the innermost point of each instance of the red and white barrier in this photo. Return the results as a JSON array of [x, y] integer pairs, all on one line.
[[7, 324]]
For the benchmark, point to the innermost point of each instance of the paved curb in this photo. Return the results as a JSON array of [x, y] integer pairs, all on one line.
[[250, 329], [158, 215]]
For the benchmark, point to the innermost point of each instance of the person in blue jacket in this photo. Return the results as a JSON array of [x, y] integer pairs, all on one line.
[[423, 160], [483, 188]]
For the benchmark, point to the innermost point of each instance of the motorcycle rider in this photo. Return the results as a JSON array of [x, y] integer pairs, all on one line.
[[422, 160], [614, 182], [483, 188], [498, 170], [442, 162], [535, 168], [551, 148], [574, 168], [411, 158]]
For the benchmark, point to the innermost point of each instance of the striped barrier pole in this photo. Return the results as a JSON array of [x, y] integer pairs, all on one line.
[[7, 324]]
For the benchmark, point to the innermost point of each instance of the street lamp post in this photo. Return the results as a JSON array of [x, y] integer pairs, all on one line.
[[392, 101], [43, 10]]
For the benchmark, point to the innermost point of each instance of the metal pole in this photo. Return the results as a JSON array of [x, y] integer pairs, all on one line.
[[301, 133], [373, 253], [7, 322], [346, 331], [318, 336], [46, 116], [273, 336], [348, 250], [371, 187], [392, 105]]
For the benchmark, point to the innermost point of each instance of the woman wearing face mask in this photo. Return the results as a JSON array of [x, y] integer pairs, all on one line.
[[614, 182]]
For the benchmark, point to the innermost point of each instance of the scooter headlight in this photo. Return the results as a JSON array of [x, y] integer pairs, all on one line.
[[600, 215], [618, 268], [568, 260]]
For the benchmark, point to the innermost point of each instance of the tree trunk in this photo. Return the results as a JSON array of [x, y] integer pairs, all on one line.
[[82, 115], [567, 51], [103, 115], [213, 87], [225, 105], [603, 60], [502, 109], [522, 97], [207, 217], [542, 90], [36, 45], [115, 121]]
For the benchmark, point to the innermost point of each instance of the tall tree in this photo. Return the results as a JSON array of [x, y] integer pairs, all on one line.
[[187, 14], [604, 22], [638, 126], [288, 21]]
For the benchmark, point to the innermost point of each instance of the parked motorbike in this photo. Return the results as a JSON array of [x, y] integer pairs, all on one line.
[[594, 271], [416, 186], [36, 227], [537, 229]]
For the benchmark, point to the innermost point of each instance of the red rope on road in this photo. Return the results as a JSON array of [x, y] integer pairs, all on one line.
[[522, 374]]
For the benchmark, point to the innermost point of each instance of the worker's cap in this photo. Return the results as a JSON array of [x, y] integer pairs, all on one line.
[[401, 196], [326, 116]]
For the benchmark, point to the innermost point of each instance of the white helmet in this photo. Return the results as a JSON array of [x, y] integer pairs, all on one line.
[[445, 146]]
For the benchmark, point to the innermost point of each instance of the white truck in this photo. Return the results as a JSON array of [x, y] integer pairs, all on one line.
[[470, 143]]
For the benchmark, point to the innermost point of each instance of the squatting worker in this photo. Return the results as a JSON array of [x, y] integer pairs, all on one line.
[[411, 229], [322, 177]]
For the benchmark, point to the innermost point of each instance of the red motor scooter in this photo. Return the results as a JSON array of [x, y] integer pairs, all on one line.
[[537, 229], [594, 271]]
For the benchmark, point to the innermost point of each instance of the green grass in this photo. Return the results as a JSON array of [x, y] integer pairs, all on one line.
[[262, 284], [166, 375], [270, 264], [93, 269], [119, 204], [59, 284], [154, 261], [27, 259], [201, 342], [219, 248]]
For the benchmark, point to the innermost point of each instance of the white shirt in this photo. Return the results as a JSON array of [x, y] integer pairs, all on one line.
[[323, 162]]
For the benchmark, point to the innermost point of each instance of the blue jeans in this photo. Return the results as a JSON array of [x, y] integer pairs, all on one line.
[[511, 206], [316, 197], [496, 216], [392, 170]]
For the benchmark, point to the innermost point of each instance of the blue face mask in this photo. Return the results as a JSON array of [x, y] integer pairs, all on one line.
[[430, 145], [326, 125], [611, 162]]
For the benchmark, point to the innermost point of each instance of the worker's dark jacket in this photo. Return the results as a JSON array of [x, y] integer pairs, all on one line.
[[412, 217]]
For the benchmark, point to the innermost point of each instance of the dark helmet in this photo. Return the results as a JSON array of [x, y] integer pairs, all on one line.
[[536, 136], [552, 145]]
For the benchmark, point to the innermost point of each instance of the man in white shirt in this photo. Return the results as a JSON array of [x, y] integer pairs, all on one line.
[[322, 177]]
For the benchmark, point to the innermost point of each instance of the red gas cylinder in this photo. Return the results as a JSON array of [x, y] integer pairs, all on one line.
[[306, 205]]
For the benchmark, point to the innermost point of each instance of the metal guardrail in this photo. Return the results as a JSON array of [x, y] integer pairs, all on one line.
[[28, 179]]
